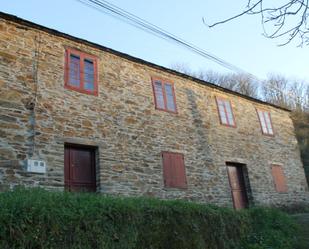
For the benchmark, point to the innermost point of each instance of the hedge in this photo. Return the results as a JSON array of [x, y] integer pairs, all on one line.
[[36, 218]]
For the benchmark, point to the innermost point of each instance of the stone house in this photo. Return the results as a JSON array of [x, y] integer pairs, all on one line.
[[79, 116]]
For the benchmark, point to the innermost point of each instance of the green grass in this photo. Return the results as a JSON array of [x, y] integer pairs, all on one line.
[[303, 220], [35, 218]]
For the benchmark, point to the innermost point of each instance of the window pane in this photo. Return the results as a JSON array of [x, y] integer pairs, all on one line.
[[169, 97], [230, 118], [220, 103], [264, 128], [261, 116], [268, 122], [89, 75], [159, 94], [222, 112], [74, 69], [266, 115], [263, 123], [229, 113], [223, 118]]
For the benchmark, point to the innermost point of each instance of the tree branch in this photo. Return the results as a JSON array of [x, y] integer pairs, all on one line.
[[233, 17], [279, 18]]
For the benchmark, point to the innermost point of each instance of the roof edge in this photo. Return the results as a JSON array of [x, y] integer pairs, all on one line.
[[21, 21]]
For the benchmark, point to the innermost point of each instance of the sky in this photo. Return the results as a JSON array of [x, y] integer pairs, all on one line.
[[239, 42]]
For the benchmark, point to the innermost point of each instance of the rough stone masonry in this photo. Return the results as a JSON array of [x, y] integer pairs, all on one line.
[[38, 116]]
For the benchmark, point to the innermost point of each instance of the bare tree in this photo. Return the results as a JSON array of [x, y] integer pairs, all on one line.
[[244, 84], [307, 99], [241, 83], [213, 77], [183, 68], [286, 18], [298, 88], [274, 90], [289, 93]]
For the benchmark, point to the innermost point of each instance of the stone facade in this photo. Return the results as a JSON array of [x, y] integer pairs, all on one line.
[[38, 116]]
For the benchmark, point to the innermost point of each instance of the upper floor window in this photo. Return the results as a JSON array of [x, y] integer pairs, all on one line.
[[225, 112], [164, 95], [81, 72], [265, 121], [174, 172]]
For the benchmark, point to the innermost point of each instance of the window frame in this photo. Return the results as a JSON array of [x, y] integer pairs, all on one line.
[[183, 185], [82, 57], [282, 187], [163, 82], [260, 121], [225, 111]]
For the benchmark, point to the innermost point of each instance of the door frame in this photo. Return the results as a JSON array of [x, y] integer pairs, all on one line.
[[67, 172], [242, 168]]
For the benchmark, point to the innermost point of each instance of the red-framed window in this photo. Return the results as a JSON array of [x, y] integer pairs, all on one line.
[[164, 95], [174, 172], [279, 179], [225, 112], [81, 72], [265, 122]]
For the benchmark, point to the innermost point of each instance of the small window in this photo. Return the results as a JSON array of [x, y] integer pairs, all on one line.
[[225, 112], [81, 72], [265, 121], [164, 95], [279, 178], [174, 172]]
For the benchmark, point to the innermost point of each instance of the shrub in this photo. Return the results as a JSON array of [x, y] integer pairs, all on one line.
[[36, 218]]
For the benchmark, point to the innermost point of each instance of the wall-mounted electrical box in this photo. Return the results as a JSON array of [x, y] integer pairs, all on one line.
[[35, 166]]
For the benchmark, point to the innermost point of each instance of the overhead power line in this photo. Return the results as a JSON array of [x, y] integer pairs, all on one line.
[[153, 29], [117, 12]]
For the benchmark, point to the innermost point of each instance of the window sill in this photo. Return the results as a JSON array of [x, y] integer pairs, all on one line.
[[94, 93], [164, 110], [175, 188]]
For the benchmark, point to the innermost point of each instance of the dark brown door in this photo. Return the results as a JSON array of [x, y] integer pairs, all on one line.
[[79, 167], [238, 188]]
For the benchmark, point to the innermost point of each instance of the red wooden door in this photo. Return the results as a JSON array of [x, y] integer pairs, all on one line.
[[238, 188], [79, 167]]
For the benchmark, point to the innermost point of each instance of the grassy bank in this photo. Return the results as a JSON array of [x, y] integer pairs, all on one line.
[[40, 219]]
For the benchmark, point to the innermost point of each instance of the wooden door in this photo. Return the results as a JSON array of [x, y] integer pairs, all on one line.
[[79, 168], [237, 184]]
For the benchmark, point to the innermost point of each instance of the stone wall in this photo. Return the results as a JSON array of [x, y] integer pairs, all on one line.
[[38, 116]]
